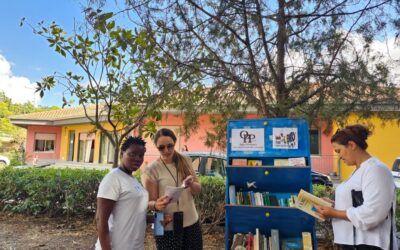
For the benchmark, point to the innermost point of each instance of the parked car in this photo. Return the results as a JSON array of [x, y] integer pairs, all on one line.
[[4, 161], [396, 171], [214, 164], [208, 163]]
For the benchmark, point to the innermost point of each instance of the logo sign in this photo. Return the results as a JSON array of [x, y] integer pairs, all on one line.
[[285, 138], [248, 139]]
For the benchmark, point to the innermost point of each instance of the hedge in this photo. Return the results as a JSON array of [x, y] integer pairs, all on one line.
[[72, 192], [52, 192], [55, 192]]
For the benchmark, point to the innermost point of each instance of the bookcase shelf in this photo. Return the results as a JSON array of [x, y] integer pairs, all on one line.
[[264, 142]]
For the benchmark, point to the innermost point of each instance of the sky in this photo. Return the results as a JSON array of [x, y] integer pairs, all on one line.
[[25, 57]]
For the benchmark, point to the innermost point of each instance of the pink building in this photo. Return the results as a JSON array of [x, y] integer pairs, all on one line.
[[66, 135]]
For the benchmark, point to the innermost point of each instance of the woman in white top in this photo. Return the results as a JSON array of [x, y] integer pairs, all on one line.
[[173, 169], [122, 202], [370, 225]]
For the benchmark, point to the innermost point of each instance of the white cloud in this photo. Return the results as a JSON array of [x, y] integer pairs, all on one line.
[[386, 51], [391, 56], [20, 89]]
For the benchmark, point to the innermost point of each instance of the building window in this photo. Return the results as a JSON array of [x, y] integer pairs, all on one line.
[[44, 142], [107, 150], [314, 142], [86, 147]]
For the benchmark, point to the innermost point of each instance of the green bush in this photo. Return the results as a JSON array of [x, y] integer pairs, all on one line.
[[324, 228], [17, 157], [49, 191], [55, 192], [210, 203]]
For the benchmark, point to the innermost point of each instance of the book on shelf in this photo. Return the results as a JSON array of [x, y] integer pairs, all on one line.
[[281, 162], [275, 239], [239, 242], [256, 245], [232, 194], [307, 241], [292, 243], [290, 162], [239, 162], [297, 162], [307, 202], [254, 163]]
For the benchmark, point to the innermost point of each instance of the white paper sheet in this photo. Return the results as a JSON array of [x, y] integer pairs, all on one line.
[[173, 192]]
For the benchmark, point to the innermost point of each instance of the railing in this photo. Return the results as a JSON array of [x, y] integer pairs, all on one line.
[[326, 164]]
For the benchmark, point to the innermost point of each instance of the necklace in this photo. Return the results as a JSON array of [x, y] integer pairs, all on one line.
[[175, 180]]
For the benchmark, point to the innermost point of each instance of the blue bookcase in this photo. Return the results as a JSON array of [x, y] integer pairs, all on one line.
[[267, 140]]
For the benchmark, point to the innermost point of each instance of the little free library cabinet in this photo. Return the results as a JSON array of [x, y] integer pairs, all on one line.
[[268, 163]]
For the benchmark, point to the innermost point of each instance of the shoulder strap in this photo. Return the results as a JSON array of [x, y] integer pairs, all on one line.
[[391, 228]]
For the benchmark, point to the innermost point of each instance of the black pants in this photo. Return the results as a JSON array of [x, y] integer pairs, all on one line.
[[190, 239], [359, 247]]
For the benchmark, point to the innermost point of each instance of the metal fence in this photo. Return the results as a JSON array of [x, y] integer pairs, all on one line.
[[326, 164]]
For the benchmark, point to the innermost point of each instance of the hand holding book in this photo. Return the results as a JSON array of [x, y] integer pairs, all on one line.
[[310, 204]]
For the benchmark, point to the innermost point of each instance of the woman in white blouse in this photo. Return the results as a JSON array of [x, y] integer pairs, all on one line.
[[370, 225]]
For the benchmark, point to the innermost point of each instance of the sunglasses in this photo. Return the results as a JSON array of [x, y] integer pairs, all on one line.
[[168, 146]]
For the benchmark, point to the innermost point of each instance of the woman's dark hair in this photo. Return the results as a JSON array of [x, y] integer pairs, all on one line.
[[164, 132], [356, 133], [132, 140], [179, 160]]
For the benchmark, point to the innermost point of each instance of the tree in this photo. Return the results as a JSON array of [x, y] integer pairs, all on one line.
[[124, 78], [283, 58]]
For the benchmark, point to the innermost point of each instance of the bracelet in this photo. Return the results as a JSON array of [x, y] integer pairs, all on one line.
[[152, 205], [155, 208]]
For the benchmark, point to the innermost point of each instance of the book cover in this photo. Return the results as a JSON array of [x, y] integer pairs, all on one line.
[[239, 162], [266, 199], [273, 200], [292, 243], [306, 202], [232, 194], [158, 227], [238, 242], [257, 239], [275, 239], [297, 162], [307, 241], [265, 242], [254, 163], [281, 162]]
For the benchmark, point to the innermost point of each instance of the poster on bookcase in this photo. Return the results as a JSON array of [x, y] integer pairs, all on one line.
[[285, 138], [248, 139]]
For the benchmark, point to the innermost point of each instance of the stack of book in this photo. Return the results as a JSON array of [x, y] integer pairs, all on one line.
[[260, 198], [259, 241]]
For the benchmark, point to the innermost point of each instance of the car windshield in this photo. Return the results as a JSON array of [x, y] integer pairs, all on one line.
[[208, 164]]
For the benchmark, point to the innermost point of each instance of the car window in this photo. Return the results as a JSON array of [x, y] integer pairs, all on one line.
[[396, 165], [195, 163], [215, 167]]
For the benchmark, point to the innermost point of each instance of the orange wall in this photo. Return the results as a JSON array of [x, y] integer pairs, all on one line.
[[325, 161], [194, 143], [30, 141]]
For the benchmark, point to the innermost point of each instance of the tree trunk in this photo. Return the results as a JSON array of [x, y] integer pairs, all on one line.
[[116, 156]]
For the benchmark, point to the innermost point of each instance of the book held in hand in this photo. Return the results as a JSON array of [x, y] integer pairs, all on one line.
[[158, 227], [307, 202]]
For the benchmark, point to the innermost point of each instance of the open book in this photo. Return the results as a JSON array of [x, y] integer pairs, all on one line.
[[306, 202]]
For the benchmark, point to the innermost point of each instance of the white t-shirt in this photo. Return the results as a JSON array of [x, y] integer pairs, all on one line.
[[127, 222], [372, 218]]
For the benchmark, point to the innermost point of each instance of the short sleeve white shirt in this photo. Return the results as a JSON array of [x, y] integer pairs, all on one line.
[[127, 222], [372, 218]]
